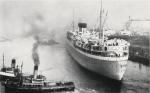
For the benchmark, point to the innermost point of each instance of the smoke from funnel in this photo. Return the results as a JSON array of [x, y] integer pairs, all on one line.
[[38, 25], [35, 57], [35, 54]]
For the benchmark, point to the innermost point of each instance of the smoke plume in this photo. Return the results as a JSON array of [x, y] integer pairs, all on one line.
[[35, 54]]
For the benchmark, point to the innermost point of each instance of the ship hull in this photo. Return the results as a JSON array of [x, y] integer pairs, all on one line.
[[38, 89], [111, 69], [2, 74]]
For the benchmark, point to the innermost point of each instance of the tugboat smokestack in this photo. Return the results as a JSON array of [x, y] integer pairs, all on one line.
[[35, 72], [13, 64]]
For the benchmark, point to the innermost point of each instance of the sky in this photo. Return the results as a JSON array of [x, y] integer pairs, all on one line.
[[17, 17]]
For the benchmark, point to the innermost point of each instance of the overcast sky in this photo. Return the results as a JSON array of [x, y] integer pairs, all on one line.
[[16, 16]]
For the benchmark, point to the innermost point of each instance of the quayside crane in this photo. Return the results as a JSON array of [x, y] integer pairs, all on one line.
[[130, 21]]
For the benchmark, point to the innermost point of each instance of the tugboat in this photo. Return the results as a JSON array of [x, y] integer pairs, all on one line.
[[37, 83]]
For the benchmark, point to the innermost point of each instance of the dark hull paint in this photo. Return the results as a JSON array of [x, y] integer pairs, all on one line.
[[37, 90]]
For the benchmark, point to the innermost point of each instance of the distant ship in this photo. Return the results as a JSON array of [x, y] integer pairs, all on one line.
[[94, 51], [8, 72]]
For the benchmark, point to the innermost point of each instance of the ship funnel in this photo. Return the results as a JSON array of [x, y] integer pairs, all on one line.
[[13, 63], [82, 26], [35, 72]]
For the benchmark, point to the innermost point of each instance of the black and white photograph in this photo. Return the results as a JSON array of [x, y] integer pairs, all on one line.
[[74, 46]]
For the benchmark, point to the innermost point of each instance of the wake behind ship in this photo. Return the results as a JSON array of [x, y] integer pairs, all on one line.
[[92, 50]]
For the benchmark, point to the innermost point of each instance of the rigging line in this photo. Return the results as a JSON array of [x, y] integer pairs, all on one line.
[[100, 29], [104, 20], [73, 19], [3, 61]]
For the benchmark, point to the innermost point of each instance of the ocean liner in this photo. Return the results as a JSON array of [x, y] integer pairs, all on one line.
[[95, 52]]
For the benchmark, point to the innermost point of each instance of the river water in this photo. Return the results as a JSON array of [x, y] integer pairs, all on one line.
[[57, 64]]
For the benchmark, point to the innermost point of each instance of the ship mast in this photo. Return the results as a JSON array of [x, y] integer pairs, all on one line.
[[3, 60], [100, 25], [100, 20], [73, 21], [21, 67]]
